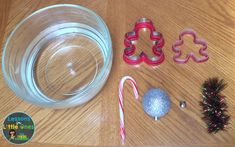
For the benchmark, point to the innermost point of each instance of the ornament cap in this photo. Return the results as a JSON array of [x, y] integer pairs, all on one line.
[[156, 118]]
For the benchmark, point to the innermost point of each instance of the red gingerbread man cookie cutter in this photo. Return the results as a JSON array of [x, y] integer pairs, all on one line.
[[196, 40], [128, 55]]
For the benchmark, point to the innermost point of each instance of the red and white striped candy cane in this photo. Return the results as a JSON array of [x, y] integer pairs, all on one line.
[[121, 109]]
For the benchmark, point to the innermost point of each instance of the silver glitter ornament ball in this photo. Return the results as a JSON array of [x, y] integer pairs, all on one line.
[[156, 103]]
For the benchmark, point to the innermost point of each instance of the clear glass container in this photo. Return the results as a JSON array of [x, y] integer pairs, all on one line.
[[59, 56]]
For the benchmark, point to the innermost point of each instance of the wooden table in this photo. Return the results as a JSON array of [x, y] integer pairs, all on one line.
[[97, 122]]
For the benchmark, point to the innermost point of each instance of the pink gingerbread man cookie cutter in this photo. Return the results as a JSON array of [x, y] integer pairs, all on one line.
[[202, 51]]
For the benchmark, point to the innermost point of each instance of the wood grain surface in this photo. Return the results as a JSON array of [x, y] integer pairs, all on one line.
[[97, 122]]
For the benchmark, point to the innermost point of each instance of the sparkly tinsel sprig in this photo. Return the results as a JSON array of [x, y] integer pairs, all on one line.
[[213, 105]]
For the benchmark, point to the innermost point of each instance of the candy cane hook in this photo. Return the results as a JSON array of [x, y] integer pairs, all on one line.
[[121, 109]]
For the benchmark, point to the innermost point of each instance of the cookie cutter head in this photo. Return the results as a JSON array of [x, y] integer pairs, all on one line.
[[202, 51], [156, 37]]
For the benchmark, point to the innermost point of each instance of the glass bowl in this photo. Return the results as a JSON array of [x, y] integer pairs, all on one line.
[[59, 56]]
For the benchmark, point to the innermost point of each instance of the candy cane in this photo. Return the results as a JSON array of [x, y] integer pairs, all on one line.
[[121, 109]]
